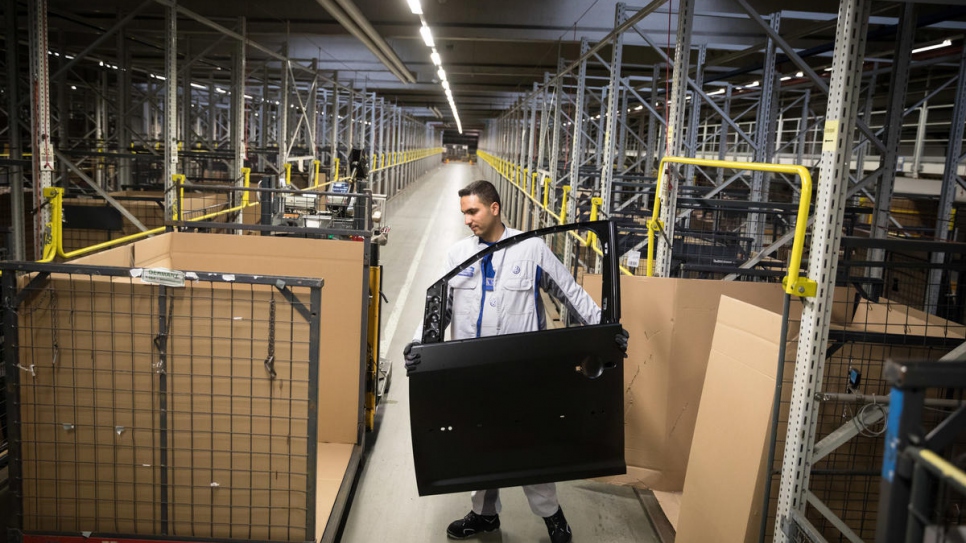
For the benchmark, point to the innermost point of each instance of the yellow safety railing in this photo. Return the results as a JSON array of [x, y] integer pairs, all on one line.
[[794, 283], [54, 246], [388, 160], [511, 172]]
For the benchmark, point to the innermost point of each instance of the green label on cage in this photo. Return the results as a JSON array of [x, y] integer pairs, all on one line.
[[163, 276]]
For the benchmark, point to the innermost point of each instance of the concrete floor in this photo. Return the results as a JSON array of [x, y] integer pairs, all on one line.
[[425, 221]]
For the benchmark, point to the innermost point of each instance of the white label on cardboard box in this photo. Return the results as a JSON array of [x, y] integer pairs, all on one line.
[[633, 259], [163, 276]]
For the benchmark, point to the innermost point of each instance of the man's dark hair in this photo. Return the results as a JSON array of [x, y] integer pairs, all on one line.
[[484, 190]]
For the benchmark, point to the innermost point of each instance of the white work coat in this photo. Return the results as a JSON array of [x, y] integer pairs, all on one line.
[[514, 305]]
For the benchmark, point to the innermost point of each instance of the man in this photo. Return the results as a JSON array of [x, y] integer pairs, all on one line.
[[500, 296]]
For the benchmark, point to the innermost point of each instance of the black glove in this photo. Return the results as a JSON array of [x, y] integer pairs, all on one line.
[[621, 340], [412, 358]]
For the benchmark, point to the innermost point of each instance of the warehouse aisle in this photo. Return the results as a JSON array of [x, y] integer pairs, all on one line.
[[425, 221]]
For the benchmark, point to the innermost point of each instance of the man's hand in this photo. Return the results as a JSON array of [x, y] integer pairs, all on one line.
[[412, 358], [621, 340]]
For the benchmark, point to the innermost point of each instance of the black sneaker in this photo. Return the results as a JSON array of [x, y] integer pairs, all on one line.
[[473, 524], [558, 528]]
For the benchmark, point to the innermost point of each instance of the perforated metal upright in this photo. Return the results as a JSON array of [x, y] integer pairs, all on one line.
[[13, 99], [898, 83], [675, 124], [951, 181], [239, 143], [170, 107], [577, 149], [43, 149], [613, 113], [833, 183]]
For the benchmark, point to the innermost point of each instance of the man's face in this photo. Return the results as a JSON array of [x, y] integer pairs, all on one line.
[[481, 218]]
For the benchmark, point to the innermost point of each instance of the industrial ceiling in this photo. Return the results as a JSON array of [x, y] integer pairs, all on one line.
[[492, 51]]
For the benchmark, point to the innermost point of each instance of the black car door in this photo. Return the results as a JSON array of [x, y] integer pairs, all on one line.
[[519, 409]]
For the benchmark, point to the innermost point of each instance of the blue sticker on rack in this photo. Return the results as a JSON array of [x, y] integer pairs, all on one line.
[[892, 435]]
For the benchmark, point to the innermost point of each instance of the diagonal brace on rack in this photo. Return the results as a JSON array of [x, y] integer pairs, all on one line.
[[101, 192], [806, 68], [294, 300]]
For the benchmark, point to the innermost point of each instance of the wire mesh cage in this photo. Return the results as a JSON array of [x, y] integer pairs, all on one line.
[[868, 328], [187, 410]]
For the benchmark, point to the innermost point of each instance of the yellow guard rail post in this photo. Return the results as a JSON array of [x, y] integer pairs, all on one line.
[[247, 178], [794, 284]]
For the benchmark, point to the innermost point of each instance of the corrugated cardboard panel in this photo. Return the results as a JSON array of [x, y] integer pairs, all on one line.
[[238, 436], [89, 429], [339, 263], [732, 427]]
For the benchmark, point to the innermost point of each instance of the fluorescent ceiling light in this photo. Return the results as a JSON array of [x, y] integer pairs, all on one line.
[[197, 86], [945, 43], [435, 57], [427, 35], [446, 85], [638, 108], [415, 7], [442, 74], [752, 84], [719, 91], [221, 90], [799, 74], [786, 78]]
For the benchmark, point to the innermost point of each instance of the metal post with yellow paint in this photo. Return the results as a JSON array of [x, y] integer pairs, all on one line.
[[178, 179], [595, 204], [316, 163], [563, 203], [246, 182], [54, 237], [288, 173], [546, 193], [335, 175]]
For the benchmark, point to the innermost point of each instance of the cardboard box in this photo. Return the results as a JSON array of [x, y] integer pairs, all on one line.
[[238, 450], [724, 484], [671, 322]]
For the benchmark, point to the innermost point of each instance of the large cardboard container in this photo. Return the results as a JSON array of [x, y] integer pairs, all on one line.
[[239, 454], [671, 324], [724, 483], [726, 478]]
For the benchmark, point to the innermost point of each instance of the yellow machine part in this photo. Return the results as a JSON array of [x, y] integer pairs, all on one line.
[[372, 370]]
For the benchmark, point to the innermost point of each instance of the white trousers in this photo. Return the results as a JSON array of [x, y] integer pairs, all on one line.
[[542, 498]]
